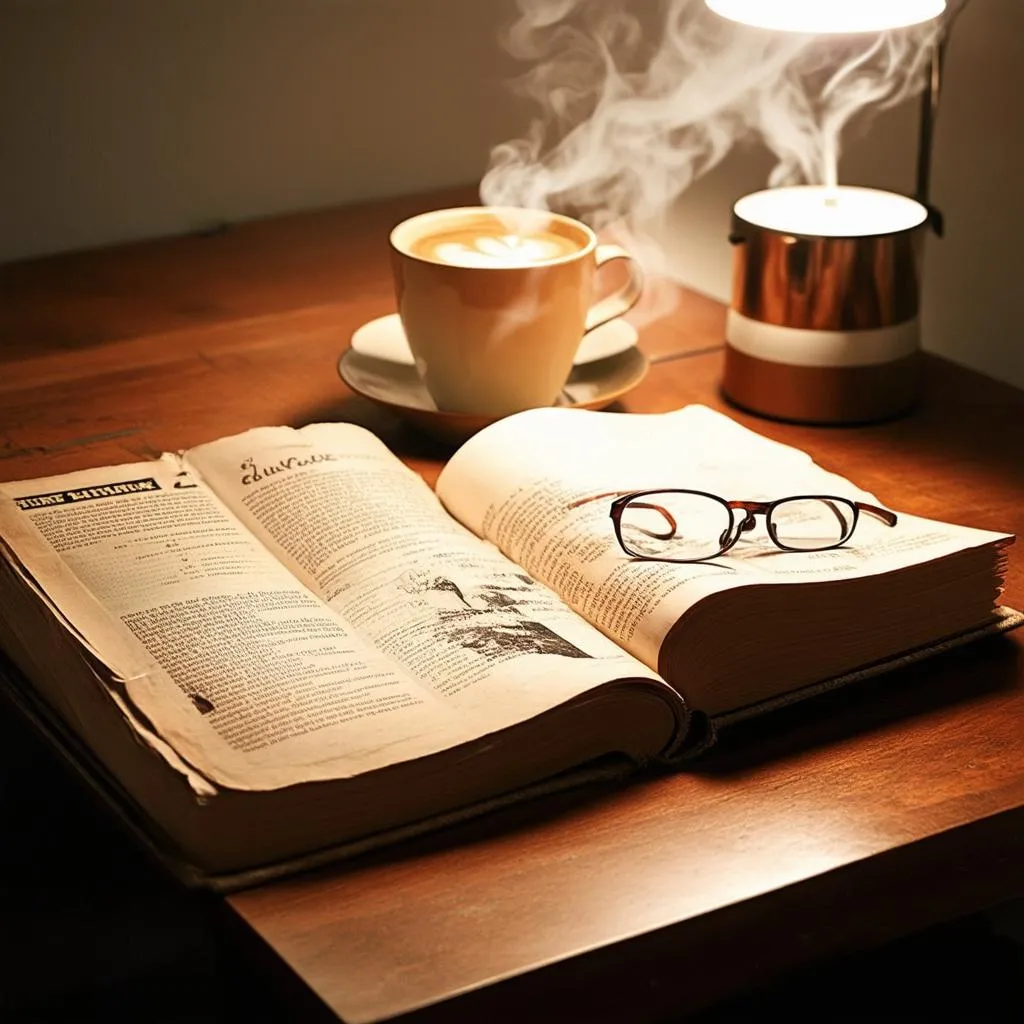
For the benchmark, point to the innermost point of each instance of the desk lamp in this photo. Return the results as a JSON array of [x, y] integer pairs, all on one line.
[[824, 323]]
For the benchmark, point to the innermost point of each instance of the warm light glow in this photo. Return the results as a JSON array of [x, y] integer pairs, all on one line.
[[819, 211], [828, 16]]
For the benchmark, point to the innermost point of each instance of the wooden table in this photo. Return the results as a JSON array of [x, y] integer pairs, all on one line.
[[828, 827]]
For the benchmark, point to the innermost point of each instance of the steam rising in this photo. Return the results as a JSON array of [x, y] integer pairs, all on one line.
[[628, 121]]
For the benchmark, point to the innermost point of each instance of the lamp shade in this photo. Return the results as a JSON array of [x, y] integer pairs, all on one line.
[[828, 16]]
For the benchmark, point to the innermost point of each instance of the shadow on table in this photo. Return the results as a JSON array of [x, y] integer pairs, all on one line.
[[937, 686], [967, 970]]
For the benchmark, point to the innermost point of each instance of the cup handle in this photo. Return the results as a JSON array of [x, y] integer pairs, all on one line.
[[620, 301]]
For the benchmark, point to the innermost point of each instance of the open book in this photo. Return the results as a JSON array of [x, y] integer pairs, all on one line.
[[282, 645]]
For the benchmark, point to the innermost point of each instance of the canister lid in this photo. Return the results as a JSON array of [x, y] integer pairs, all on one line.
[[844, 211], [829, 16]]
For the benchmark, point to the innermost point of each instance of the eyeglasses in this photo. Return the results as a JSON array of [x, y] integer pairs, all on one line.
[[693, 526]]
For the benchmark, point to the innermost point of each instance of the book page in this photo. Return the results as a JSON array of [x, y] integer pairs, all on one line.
[[515, 482], [370, 538], [213, 644]]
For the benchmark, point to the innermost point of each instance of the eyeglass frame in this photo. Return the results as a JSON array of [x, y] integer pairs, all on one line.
[[750, 508]]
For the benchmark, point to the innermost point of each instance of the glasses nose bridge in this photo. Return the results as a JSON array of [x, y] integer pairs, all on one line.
[[749, 510]]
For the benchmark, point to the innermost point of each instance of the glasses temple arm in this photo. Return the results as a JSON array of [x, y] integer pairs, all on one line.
[[887, 517], [843, 524], [669, 518]]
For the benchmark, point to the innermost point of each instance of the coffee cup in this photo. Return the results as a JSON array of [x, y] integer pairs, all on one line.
[[495, 301]]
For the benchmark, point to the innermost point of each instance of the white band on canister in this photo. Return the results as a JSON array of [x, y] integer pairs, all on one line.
[[799, 347]]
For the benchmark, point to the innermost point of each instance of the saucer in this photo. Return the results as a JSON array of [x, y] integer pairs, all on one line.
[[385, 339], [397, 386]]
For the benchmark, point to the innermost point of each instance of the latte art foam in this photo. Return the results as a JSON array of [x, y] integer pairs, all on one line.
[[473, 248]]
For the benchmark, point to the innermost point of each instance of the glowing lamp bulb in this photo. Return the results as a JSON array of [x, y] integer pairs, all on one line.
[[828, 16]]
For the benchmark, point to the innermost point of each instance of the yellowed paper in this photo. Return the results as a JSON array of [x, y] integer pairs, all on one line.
[[326, 618]]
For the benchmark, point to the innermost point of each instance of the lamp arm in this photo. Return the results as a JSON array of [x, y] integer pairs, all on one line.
[[930, 113]]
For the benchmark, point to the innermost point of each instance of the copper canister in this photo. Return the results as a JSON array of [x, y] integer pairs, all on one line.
[[824, 324]]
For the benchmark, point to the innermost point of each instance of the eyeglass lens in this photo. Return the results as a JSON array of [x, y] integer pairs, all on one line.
[[675, 524], [810, 524]]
